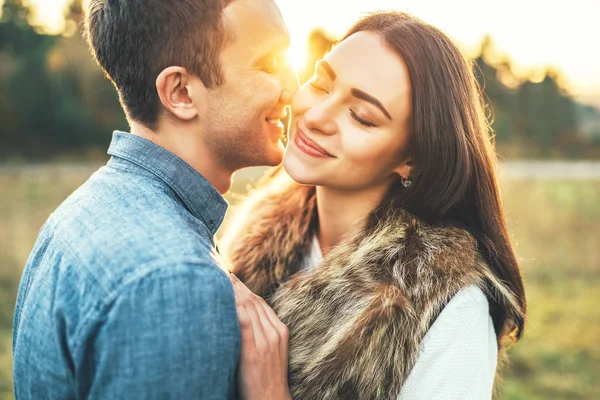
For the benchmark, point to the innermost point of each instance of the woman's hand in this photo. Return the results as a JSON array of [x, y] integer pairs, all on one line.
[[263, 368]]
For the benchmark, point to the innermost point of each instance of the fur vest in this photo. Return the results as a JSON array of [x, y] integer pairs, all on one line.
[[355, 321]]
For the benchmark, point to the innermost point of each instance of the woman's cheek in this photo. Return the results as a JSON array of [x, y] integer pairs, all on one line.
[[356, 144], [365, 156], [301, 100]]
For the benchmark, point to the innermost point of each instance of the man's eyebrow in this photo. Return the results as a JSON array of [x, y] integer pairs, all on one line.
[[367, 97], [325, 65], [274, 51]]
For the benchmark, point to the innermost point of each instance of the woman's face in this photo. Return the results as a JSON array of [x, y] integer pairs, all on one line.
[[350, 121]]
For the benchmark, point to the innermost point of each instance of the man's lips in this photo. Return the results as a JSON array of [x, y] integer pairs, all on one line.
[[276, 125], [277, 117], [308, 145]]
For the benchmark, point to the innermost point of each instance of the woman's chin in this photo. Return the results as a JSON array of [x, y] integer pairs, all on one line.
[[297, 170]]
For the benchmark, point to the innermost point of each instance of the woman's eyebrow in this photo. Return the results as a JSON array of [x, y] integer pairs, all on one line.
[[355, 92], [325, 65], [367, 97]]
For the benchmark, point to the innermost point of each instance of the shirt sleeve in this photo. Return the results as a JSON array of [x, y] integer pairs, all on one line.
[[172, 334], [458, 354]]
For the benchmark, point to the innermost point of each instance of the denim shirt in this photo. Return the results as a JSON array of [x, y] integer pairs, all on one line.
[[120, 297]]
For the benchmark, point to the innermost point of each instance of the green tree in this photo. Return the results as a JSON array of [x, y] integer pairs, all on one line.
[[545, 113], [537, 118], [54, 98], [26, 85]]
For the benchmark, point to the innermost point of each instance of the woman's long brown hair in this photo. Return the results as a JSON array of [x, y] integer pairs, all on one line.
[[453, 176]]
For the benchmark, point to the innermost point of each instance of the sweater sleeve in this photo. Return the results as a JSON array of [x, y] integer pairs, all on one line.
[[458, 354]]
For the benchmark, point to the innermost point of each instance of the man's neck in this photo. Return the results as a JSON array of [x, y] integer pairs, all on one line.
[[340, 210], [188, 147]]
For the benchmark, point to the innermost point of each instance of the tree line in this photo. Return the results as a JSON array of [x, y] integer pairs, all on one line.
[[55, 101]]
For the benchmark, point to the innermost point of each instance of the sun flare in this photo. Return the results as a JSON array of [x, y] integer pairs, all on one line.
[[565, 49], [297, 55]]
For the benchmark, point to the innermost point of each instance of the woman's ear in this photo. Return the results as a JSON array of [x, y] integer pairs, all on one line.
[[404, 169], [176, 93]]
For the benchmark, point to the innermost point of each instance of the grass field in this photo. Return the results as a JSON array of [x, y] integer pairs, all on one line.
[[554, 226]]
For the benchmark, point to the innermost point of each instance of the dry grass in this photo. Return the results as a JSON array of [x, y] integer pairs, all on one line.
[[554, 225], [555, 228]]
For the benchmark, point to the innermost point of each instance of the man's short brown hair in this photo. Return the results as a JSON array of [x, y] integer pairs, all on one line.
[[134, 40]]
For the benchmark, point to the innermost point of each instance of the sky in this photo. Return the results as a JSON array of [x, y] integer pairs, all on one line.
[[533, 33]]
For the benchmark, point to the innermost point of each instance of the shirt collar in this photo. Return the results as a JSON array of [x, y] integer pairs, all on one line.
[[200, 197]]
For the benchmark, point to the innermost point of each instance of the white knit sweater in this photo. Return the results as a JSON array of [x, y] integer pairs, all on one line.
[[458, 353]]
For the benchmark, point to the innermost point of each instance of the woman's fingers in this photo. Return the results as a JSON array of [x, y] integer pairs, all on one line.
[[267, 330], [246, 329], [248, 302], [275, 321], [239, 288], [263, 358], [269, 327], [280, 328]]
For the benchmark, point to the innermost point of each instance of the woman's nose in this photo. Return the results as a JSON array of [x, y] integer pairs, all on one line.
[[320, 118]]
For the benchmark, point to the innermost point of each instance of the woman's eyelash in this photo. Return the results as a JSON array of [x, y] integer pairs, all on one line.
[[361, 121], [313, 84]]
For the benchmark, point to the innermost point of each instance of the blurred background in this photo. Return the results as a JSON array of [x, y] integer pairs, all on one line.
[[539, 65]]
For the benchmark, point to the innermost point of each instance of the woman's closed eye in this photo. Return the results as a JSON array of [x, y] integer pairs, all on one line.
[[316, 85], [361, 121]]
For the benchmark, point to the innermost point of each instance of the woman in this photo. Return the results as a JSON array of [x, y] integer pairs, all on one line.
[[388, 258]]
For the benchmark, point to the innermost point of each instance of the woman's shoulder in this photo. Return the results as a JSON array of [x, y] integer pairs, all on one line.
[[463, 323], [458, 354], [471, 297], [468, 305]]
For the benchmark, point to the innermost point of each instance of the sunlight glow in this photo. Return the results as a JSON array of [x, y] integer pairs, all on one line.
[[297, 54], [533, 33]]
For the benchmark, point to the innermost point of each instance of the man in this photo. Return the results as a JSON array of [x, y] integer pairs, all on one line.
[[120, 298]]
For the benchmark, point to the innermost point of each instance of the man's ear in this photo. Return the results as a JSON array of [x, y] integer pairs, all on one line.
[[177, 94], [404, 168]]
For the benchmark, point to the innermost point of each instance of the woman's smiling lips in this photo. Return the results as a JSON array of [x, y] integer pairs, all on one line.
[[309, 146]]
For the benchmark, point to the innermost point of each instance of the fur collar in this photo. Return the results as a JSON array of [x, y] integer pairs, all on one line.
[[355, 321]]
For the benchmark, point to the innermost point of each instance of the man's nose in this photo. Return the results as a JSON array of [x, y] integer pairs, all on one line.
[[289, 84]]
